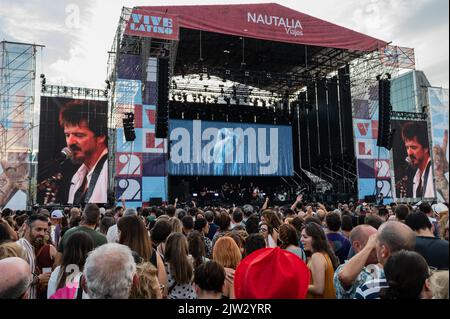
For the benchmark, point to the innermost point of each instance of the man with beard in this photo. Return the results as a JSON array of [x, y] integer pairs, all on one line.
[[415, 137], [35, 229], [86, 136]]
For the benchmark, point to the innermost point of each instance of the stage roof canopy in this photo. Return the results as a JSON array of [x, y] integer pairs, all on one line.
[[268, 21], [261, 41]]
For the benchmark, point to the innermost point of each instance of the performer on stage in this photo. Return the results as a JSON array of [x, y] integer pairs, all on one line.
[[86, 136]]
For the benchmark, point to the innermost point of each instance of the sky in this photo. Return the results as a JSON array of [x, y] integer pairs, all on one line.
[[77, 34]]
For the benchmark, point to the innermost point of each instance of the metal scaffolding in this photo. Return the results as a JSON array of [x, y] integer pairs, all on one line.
[[17, 98], [122, 92]]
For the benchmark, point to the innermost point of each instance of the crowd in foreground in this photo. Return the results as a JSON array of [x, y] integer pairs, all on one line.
[[308, 250]]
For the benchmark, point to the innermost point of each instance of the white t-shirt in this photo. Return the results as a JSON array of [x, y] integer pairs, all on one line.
[[100, 193], [112, 235]]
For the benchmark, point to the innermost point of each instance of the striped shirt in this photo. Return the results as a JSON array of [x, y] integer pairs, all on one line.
[[367, 273], [31, 258], [371, 289]]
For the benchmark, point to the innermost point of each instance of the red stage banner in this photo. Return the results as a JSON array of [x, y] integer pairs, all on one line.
[[268, 21], [145, 23]]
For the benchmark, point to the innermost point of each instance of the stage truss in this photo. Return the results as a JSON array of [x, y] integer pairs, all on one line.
[[17, 102]]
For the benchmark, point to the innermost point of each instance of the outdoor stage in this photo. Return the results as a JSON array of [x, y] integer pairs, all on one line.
[[228, 94]]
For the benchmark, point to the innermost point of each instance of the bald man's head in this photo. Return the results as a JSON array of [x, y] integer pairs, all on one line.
[[15, 278], [394, 236], [362, 233], [359, 237]]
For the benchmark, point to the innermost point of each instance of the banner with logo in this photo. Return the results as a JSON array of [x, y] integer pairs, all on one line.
[[145, 23], [373, 162], [230, 149], [438, 102], [267, 21], [411, 154]]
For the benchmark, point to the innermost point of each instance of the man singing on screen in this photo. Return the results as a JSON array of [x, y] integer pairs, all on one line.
[[414, 135], [86, 136]]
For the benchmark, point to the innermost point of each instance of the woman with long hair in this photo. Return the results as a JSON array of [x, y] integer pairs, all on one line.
[[132, 233], [321, 264], [179, 268], [74, 256], [177, 225], [272, 219], [197, 248], [407, 275], [222, 220], [289, 241], [147, 287], [227, 253]]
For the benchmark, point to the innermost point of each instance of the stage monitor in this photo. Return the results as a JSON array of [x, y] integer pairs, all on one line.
[[73, 151], [230, 149]]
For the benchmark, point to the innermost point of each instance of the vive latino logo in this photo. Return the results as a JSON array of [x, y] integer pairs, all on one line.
[[154, 24]]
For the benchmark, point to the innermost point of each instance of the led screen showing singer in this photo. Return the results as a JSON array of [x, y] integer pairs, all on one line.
[[73, 164], [412, 160]]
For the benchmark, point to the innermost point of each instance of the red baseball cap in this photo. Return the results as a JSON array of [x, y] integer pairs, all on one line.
[[271, 273]]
